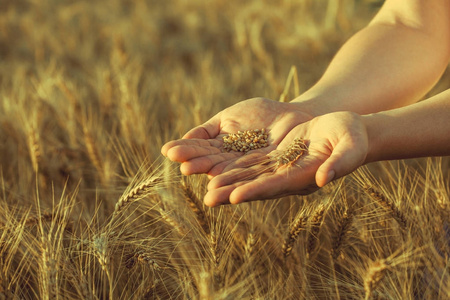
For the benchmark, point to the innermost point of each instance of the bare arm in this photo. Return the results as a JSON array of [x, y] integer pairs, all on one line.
[[391, 63], [339, 143], [419, 130]]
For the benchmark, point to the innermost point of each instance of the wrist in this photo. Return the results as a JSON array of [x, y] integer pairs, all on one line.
[[314, 106], [374, 125]]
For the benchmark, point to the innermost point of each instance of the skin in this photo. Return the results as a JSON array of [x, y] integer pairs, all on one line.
[[360, 111]]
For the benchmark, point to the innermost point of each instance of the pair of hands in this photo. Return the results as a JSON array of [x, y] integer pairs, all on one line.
[[337, 144]]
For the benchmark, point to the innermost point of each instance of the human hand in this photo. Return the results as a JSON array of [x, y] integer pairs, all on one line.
[[337, 145], [200, 150]]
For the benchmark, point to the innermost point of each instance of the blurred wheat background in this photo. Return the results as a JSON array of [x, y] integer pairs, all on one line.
[[89, 92]]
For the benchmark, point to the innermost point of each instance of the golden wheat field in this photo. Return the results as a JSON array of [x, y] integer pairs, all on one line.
[[91, 90]]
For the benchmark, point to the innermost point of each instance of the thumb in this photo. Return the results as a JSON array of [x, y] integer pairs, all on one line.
[[207, 130], [345, 158]]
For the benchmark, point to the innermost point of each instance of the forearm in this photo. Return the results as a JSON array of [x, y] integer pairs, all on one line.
[[386, 65], [419, 130]]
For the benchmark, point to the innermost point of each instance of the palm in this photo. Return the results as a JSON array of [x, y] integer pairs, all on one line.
[[334, 139], [200, 149]]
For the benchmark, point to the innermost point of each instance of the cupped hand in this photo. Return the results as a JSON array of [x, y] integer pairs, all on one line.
[[200, 149], [337, 145]]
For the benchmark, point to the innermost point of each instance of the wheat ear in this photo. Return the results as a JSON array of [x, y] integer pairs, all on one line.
[[344, 226], [214, 247], [35, 149], [296, 227], [143, 258], [92, 151], [388, 206], [142, 190], [194, 203], [313, 236], [374, 275], [250, 244]]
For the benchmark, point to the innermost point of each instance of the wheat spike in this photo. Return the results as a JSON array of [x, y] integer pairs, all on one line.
[[168, 219], [344, 226], [292, 153], [389, 206], [49, 269], [92, 150], [296, 227], [35, 149], [196, 207], [373, 277], [214, 247], [313, 236], [250, 245], [142, 190], [34, 220], [100, 245], [143, 258]]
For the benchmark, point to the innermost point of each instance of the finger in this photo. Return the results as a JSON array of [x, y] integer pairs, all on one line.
[[344, 159], [204, 164], [207, 130], [239, 174], [218, 169], [221, 195], [264, 187], [218, 197], [252, 160], [268, 187], [191, 142], [254, 157], [184, 153], [281, 183]]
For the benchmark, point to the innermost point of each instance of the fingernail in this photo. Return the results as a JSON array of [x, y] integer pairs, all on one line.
[[330, 176]]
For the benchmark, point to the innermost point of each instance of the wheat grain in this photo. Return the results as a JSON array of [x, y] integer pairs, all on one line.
[[244, 141]]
